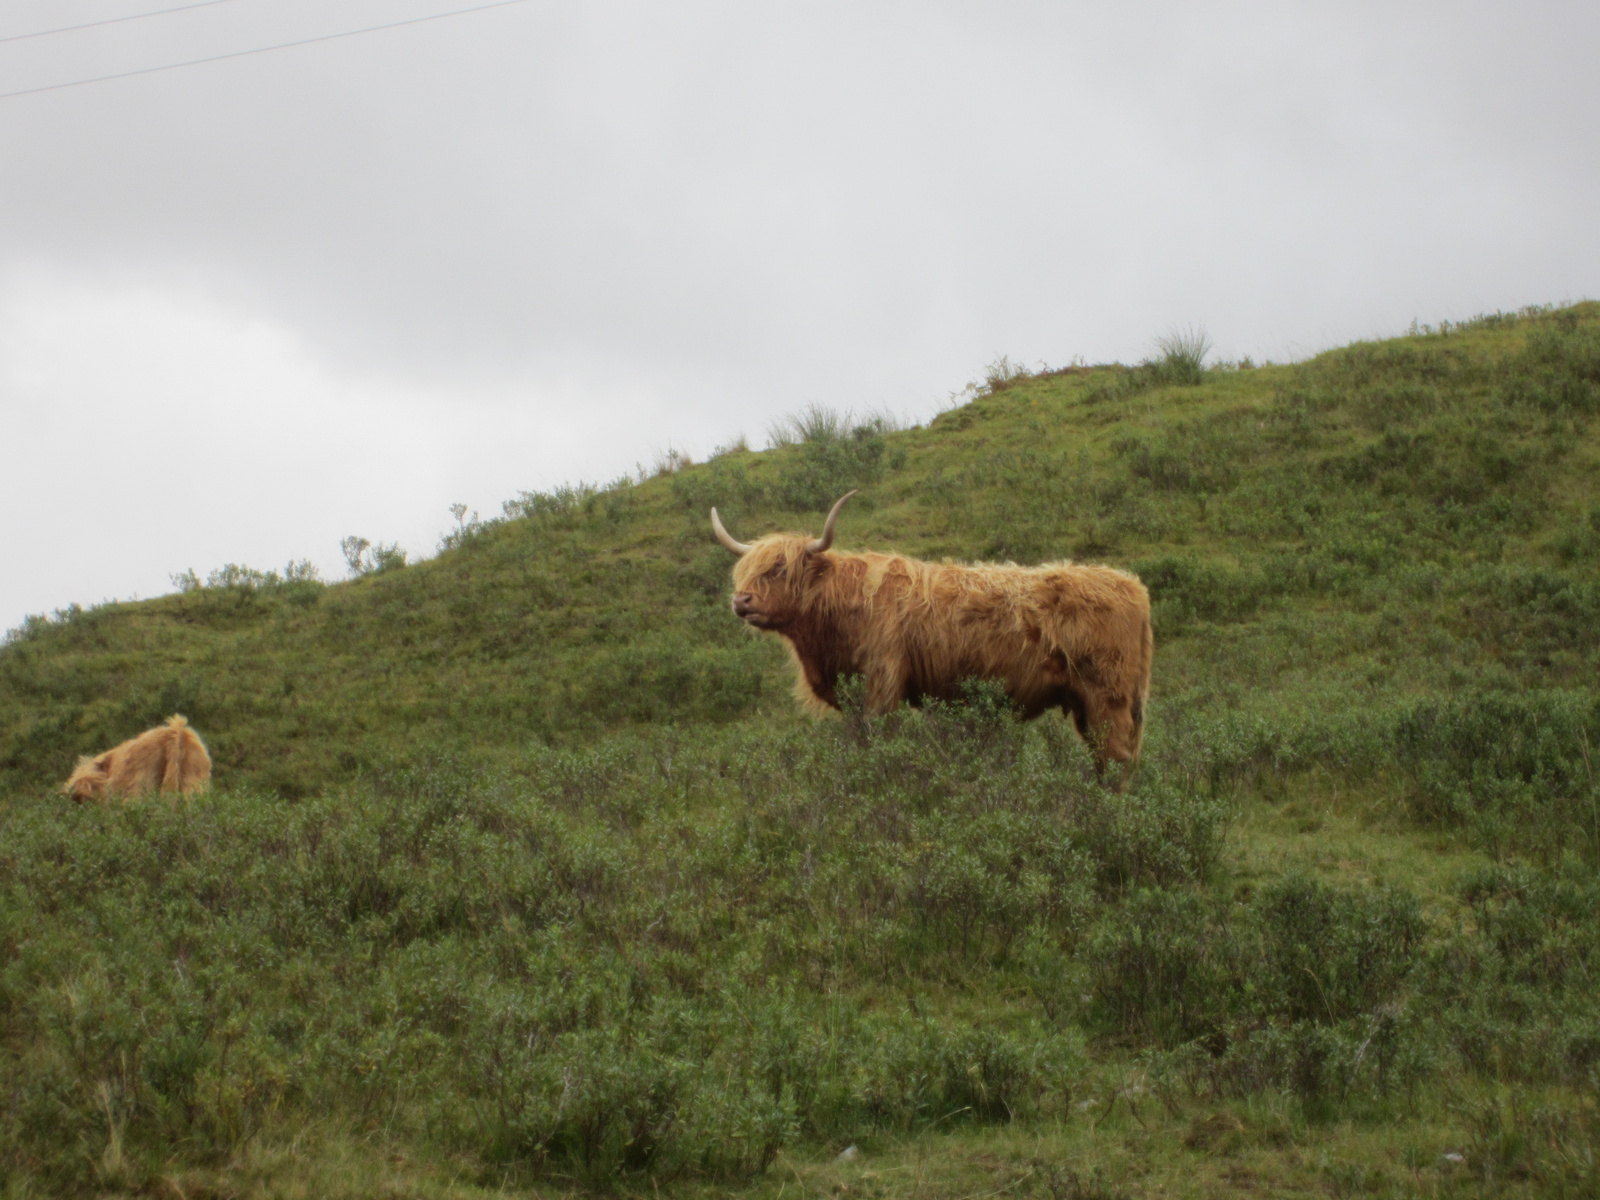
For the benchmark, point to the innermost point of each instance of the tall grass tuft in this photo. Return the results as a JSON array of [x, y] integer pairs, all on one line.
[[1181, 357]]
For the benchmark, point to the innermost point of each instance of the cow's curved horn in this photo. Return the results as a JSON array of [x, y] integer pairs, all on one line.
[[817, 545], [725, 537]]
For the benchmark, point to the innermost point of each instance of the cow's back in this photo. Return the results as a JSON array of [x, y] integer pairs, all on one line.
[[1037, 629]]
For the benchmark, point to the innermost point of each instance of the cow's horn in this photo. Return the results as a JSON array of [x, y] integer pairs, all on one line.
[[725, 537], [817, 545]]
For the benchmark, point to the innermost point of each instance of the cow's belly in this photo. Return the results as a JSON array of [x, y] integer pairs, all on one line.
[[1033, 685]]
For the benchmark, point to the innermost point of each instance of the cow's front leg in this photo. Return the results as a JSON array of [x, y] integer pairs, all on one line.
[[886, 688], [1107, 723]]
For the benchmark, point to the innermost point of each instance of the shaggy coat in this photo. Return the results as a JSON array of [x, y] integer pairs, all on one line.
[[168, 758], [1060, 635]]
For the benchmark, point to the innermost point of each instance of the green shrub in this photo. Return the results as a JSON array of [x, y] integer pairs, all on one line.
[[566, 507], [816, 472], [1330, 955], [1515, 768], [1179, 362], [1578, 539], [624, 961], [820, 455], [1385, 363], [1514, 988], [1162, 969], [1185, 589], [1168, 967], [916, 1073], [1550, 1149], [1330, 1070], [668, 677], [724, 483], [1558, 369]]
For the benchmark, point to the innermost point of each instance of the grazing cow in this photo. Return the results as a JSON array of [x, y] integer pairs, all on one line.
[[1058, 635], [168, 758]]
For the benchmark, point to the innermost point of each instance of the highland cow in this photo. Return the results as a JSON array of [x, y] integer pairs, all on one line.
[[1060, 635], [168, 758]]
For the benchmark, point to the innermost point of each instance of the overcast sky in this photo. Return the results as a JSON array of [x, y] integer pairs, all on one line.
[[252, 306]]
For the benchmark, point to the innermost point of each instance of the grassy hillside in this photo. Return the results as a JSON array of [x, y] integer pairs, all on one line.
[[1398, 517], [523, 872]]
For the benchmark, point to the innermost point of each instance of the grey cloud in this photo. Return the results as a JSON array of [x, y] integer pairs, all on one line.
[[723, 211]]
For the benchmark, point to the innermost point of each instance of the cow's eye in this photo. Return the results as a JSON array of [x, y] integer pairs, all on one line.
[[774, 572]]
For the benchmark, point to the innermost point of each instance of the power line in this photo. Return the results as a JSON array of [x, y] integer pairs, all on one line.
[[22, 37], [195, 62]]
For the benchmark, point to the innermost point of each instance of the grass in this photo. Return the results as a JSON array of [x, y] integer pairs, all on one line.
[[522, 875]]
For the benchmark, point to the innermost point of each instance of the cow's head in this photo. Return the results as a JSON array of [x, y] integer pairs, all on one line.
[[774, 575], [90, 779]]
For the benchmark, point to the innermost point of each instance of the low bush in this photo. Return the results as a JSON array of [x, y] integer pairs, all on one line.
[[1330, 956], [668, 678], [1184, 589], [1516, 769], [819, 456], [1558, 370], [1171, 966], [622, 960], [1515, 986], [1163, 969], [1302, 990]]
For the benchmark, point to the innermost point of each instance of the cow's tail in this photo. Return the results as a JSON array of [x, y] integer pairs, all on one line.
[[172, 773]]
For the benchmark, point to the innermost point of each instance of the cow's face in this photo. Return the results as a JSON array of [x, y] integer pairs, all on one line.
[[774, 577], [770, 581], [91, 780]]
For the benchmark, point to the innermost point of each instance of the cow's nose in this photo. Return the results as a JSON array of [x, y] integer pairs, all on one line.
[[741, 603]]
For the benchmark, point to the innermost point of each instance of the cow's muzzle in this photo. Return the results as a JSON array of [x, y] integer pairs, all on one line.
[[744, 609]]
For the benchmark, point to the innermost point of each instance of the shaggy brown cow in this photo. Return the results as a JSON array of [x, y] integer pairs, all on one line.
[[1058, 635], [169, 757]]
